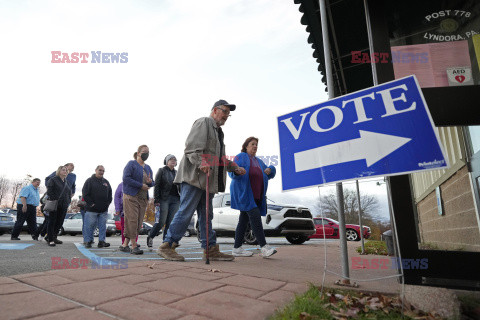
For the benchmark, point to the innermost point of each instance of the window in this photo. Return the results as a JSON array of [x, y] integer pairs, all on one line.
[[217, 201], [226, 200], [438, 42]]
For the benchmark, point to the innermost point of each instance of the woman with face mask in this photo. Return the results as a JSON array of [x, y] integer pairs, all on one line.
[[137, 179]]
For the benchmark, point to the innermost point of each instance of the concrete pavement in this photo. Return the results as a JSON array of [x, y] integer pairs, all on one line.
[[247, 288]]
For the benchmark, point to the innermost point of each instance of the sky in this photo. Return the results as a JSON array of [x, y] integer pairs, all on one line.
[[183, 55]]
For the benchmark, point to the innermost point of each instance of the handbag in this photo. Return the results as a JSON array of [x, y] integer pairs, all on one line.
[[51, 205]]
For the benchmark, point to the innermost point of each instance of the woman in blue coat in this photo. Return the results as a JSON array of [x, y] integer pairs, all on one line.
[[247, 194], [137, 179]]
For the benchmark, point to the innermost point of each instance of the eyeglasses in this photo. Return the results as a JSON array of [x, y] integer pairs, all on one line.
[[227, 112]]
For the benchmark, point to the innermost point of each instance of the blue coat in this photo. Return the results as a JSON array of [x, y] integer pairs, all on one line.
[[241, 193], [133, 177]]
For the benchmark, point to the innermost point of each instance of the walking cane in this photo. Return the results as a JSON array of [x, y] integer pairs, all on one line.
[[206, 220]]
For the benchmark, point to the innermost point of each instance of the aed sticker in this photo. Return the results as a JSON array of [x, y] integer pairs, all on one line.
[[459, 76]]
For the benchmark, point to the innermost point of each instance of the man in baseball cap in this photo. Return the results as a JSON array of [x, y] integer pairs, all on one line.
[[204, 142], [224, 103]]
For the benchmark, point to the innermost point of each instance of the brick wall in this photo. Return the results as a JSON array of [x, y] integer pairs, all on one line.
[[457, 228]]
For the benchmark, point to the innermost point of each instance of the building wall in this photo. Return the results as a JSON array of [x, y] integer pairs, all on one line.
[[457, 228]]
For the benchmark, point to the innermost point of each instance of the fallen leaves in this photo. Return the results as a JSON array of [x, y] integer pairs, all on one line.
[[213, 270], [151, 266], [354, 305]]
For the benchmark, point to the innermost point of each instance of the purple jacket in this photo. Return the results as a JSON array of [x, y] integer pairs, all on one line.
[[119, 199]]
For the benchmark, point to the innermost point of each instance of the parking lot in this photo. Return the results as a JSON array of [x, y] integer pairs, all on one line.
[[25, 256]]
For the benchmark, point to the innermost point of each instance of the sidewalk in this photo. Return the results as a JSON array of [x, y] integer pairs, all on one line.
[[247, 288]]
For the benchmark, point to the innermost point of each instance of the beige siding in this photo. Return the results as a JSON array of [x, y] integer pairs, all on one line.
[[425, 182]]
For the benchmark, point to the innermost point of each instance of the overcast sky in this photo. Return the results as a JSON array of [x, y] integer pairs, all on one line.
[[183, 55]]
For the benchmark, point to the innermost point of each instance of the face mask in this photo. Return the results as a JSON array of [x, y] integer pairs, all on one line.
[[144, 156]]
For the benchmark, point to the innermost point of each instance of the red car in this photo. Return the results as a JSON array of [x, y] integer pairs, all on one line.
[[331, 228], [118, 223]]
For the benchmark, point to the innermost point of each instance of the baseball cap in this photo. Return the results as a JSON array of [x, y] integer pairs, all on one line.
[[224, 103]]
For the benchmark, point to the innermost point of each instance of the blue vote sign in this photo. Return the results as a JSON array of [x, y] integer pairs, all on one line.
[[379, 131]]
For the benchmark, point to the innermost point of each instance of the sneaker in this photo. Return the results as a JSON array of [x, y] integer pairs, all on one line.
[[124, 249], [88, 244], [240, 252], [149, 242], [168, 252], [52, 244], [136, 250], [14, 238], [267, 251], [57, 241], [103, 244], [215, 254]]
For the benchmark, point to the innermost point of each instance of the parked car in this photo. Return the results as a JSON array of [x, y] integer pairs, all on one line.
[[7, 221], [9, 217], [118, 223], [293, 222], [331, 228], [145, 229], [73, 226], [191, 227]]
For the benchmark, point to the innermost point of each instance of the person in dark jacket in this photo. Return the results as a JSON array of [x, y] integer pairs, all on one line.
[[97, 193], [137, 179], [167, 198], [58, 189], [71, 178]]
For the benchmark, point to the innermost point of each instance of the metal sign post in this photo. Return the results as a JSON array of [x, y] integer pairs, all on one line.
[[331, 95]]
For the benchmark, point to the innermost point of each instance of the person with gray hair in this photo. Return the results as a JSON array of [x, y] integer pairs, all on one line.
[[204, 142], [97, 193], [167, 198], [27, 204]]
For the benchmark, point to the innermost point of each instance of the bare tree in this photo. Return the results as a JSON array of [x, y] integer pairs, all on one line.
[[4, 184], [369, 203]]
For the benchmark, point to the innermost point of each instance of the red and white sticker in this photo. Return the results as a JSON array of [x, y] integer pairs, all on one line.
[[459, 76]]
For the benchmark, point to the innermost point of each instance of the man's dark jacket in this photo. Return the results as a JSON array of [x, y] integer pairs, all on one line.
[[97, 193]]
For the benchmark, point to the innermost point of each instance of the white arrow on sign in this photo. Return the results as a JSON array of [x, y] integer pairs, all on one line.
[[371, 146]]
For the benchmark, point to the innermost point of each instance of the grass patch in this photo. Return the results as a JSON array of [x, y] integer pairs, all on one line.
[[346, 304], [470, 306], [374, 247]]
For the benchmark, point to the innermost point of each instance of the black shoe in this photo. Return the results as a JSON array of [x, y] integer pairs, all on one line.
[[35, 238], [124, 249], [52, 244], [14, 238], [136, 250], [57, 241], [103, 244], [149, 242], [88, 244]]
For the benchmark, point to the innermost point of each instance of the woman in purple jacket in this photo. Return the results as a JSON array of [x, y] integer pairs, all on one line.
[[137, 179]]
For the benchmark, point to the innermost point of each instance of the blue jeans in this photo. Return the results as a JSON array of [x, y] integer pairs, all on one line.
[[83, 221], [168, 208], [191, 199], [92, 219], [255, 219]]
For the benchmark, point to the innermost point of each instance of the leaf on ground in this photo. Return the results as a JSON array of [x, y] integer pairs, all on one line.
[[151, 266], [213, 270], [353, 312], [304, 316]]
